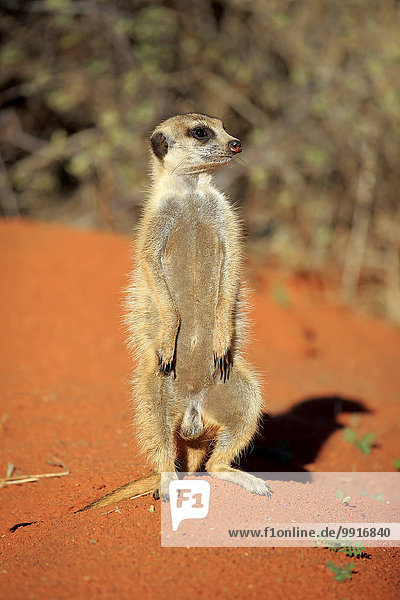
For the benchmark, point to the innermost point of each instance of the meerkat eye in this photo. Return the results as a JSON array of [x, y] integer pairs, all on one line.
[[202, 133]]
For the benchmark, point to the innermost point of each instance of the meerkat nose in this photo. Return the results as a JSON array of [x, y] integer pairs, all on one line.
[[235, 146]]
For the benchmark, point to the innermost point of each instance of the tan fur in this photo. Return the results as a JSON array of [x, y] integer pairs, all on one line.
[[185, 320]]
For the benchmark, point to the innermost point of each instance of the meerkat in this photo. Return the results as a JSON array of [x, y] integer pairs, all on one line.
[[197, 401]]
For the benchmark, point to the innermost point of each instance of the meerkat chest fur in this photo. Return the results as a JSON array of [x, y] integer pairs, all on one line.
[[201, 225], [193, 253]]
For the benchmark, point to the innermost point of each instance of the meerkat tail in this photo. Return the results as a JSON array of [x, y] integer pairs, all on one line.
[[142, 486]]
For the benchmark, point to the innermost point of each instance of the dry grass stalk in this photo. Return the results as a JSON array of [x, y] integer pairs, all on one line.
[[10, 479]]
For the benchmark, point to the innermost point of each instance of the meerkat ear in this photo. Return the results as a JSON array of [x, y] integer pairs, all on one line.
[[159, 144]]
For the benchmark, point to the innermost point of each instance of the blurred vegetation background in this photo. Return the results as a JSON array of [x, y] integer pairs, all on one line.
[[312, 87]]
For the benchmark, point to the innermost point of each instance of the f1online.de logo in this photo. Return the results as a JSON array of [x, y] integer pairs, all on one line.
[[189, 499]]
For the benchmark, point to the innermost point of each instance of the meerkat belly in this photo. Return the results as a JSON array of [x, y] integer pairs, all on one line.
[[192, 268]]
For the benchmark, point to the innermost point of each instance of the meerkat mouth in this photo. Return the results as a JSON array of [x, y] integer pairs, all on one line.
[[211, 164], [223, 159], [220, 160]]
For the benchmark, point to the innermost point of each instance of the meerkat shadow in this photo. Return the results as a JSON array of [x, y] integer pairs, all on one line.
[[293, 439]]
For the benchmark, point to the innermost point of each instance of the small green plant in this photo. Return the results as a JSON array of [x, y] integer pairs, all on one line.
[[352, 551], [354, 419], [347, 547], [363, 443], [341, 573], [344, 499], [378, 496], [280, 295], [397, 464]]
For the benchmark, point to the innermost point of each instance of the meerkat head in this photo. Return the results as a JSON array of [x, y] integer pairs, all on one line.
[[192, 143]]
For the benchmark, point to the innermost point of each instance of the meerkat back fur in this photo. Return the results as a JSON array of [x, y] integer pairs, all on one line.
[[197, 401]]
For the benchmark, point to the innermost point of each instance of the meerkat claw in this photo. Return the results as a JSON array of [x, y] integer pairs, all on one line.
[[164, 368], [163, 496], [223, 366], [269, 491]]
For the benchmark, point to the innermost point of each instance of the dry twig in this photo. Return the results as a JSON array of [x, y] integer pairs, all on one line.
[[15, 479]]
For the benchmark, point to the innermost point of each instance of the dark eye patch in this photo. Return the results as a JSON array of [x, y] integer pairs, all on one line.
[[201, 133]]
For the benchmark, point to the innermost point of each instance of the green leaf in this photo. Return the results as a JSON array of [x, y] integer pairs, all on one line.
[[349, 435], [380, 497], [280, 295], [341, 573], [365, 442], [352, 551]]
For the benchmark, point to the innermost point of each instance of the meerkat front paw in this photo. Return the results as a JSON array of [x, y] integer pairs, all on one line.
[[167, 343], [222, 353], [165, 366], [223, 365], [166, 355]]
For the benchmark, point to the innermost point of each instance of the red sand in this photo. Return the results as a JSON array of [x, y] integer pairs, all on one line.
[[64, 378]]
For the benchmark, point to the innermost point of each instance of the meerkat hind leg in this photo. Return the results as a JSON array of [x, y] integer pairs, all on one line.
[[156, 436], [250, 482], [191, 454], [219, 464], [241, 398]]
